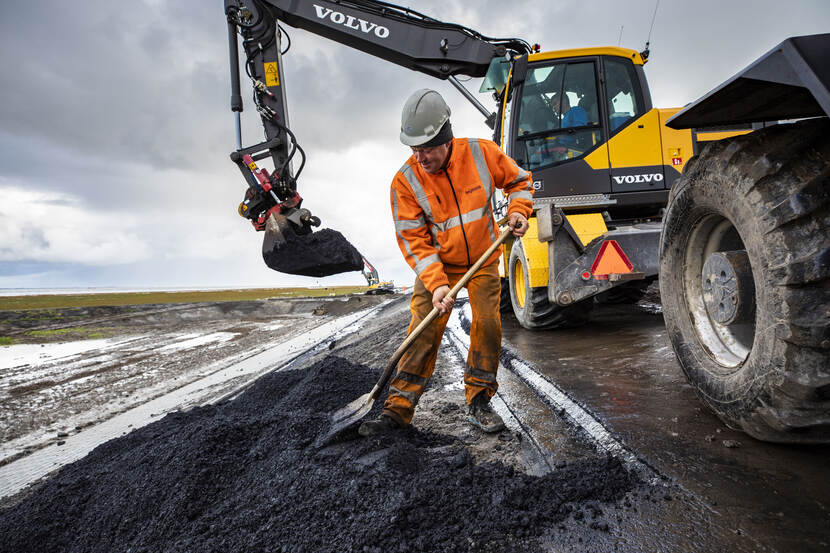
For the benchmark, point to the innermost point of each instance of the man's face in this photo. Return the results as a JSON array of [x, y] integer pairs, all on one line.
[[431, 159], [561, 104]]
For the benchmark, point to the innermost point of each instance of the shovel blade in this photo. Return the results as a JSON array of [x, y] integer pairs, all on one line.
[[315, 254], [353, 411], [347, 416]]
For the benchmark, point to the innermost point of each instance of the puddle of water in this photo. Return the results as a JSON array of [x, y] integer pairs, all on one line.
[[198, 340], [33, 354]]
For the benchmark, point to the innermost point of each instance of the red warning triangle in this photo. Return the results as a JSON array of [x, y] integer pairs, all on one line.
[[611, 259]]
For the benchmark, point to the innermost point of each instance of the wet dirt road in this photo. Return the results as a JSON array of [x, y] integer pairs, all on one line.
[[758, 496], [607, 448]]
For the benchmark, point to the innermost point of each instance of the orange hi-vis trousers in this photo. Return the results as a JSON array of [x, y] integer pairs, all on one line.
[[417, 364]]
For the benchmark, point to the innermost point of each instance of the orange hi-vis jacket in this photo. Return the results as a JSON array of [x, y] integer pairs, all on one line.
[[444, 221]]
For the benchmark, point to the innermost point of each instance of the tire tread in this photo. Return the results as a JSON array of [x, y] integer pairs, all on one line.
[[783, 175]]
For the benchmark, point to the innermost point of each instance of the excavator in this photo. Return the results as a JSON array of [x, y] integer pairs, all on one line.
[[717, 198], [376, 287]]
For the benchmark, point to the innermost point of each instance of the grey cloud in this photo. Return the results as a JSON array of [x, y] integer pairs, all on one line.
[[124, 105], [147, 82], [33, 269], [30, 238], [104, 182], [111, 79]]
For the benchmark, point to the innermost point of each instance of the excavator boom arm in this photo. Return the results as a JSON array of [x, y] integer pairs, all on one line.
[[397, 34], [381, 29]]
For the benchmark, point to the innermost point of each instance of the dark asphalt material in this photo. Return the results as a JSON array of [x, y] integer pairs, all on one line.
[[244, 476], [317, 254]]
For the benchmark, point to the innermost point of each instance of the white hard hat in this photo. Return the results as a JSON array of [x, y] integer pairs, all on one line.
[[423, 115]]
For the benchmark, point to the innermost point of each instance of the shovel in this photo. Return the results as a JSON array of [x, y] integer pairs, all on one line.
[[357, 409]]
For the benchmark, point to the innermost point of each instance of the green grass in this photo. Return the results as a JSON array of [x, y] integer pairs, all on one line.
[[11, 303], [6, 341]]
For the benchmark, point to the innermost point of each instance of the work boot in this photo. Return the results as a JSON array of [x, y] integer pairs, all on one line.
[[481, 414], [381, 425]]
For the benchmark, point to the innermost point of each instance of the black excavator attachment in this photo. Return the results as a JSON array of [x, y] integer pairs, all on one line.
[[289, 245], [271, 201]]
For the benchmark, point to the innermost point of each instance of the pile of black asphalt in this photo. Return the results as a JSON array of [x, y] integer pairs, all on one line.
[[245, 475], [316, 254]]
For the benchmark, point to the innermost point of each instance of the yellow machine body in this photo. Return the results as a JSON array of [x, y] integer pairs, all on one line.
[[617, 164]]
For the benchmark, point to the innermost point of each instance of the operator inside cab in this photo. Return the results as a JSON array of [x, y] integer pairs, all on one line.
[[441, 201]]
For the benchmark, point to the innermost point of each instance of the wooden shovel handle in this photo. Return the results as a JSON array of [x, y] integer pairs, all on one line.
[[390, 367]]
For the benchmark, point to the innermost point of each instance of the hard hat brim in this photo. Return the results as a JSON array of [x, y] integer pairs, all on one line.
[[415, 140]]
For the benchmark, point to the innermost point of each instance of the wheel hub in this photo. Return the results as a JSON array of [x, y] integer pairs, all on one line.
[[728, 288]]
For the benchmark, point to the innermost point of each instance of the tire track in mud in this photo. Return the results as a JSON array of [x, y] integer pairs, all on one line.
[[671, 517], [558, 401]]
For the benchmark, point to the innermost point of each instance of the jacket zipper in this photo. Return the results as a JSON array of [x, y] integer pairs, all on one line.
[[458, 206]]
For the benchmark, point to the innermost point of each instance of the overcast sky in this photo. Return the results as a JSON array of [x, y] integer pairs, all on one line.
[[115, 128]]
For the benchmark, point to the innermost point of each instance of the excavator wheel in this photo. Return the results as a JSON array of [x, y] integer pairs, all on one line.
[[505, 303], [745, 280], [531, 306]]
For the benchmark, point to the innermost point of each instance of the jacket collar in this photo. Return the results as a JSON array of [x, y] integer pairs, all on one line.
[[455, 151]]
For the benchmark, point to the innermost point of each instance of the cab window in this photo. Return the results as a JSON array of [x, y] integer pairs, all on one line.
[[623, 100], [558, 116]]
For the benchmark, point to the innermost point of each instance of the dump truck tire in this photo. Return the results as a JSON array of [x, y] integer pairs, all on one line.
[[531, 306], [745, 280]]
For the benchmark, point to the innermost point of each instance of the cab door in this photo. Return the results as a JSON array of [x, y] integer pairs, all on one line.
[[634, 144], [556, 128]]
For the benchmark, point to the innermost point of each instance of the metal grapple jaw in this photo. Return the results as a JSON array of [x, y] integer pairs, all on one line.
[[289, 245]]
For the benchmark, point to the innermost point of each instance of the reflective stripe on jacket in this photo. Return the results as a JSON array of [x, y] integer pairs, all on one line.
[[444, 221]]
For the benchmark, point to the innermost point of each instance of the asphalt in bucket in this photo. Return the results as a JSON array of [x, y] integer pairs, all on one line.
[[316, 254], [244, 475]]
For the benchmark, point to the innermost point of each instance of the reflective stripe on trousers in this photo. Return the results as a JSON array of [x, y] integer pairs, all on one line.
[[417, 364]]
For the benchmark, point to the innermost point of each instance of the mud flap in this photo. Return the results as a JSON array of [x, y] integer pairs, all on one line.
[[315, 254]]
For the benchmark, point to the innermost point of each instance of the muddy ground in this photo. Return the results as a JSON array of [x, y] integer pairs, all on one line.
[[245, 474], [56, 382], [235, 466]]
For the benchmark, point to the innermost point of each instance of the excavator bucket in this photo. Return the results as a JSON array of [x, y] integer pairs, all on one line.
[[315, 254]]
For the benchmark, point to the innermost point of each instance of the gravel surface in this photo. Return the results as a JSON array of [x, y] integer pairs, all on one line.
[[244, 475]]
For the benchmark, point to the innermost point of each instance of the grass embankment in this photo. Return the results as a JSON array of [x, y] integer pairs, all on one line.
[[68, 309], [66, 334], [13, 303]]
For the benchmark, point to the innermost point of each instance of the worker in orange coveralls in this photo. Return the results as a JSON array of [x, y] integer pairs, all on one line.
[[442, 208]]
